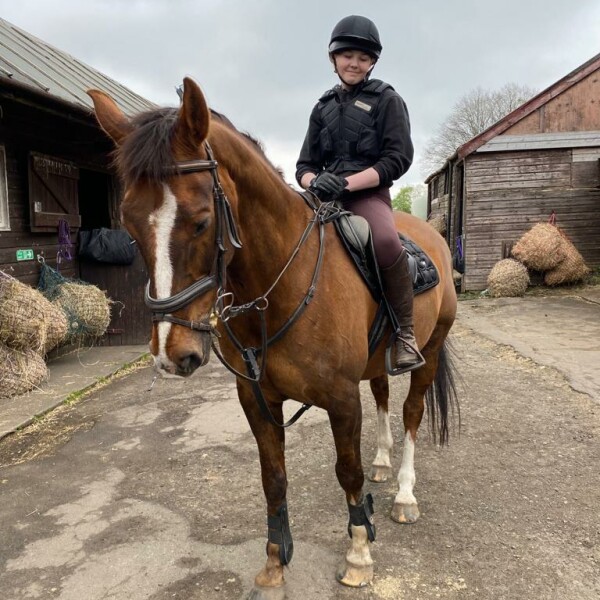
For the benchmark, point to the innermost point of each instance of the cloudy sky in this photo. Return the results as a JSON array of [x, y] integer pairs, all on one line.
[[264, 62]]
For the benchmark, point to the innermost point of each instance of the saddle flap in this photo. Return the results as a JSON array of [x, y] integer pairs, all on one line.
[[356, 230]]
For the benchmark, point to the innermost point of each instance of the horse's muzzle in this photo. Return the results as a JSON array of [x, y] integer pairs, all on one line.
[[185, 362]]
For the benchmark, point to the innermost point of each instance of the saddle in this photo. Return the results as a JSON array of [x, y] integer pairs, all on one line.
[[355, 234]]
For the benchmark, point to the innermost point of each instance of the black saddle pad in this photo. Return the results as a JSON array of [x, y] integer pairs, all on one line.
[[423, 271]]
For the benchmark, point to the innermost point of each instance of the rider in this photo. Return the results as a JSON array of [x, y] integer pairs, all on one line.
[[358, 142]]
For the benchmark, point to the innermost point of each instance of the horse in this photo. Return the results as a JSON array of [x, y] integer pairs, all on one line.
[[233, 251]]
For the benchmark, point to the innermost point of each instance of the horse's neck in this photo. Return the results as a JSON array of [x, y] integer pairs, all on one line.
[[271, 218]]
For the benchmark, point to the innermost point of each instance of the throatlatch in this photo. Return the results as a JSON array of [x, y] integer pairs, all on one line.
[[362, 514], [279, 533]]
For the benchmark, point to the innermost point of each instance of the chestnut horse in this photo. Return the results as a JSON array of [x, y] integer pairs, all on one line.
[[236, 242]]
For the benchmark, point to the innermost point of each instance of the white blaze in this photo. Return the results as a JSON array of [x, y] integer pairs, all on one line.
[[163, 221]]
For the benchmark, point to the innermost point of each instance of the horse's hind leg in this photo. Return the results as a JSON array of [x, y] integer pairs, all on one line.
[[381, 468], [406, 508]]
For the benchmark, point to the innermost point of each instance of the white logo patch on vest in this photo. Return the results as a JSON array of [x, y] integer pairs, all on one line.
[[363, 105]]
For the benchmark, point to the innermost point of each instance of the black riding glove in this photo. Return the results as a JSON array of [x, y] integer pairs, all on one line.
[[327, 186]]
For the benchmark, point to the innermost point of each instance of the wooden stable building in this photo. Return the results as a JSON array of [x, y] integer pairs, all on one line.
[[55, 170], [543, 157]]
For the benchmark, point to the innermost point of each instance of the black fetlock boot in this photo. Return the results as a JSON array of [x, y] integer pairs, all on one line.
[[398, 289]]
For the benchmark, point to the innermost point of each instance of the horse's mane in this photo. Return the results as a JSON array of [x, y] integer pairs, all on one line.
[[147, 150]]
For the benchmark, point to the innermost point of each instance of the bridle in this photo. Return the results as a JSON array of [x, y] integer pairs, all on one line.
[[163, 307], [223, 309]]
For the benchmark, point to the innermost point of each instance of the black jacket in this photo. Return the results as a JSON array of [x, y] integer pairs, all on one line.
[[350, 131]]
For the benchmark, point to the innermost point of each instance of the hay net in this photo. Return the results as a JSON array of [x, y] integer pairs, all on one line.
[[86, 307]]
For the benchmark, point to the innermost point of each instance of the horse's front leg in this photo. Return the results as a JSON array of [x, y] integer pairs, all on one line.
[[346, 420], [271, 446]]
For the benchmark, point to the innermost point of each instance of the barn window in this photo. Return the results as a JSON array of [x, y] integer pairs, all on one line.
[[53, 192], [4, 220], [585, 171]]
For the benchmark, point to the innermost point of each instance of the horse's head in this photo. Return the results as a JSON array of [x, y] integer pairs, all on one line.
[[173, 208]]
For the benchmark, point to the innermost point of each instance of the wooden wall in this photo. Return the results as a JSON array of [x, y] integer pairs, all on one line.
[[438, 196], [24, 129], [507, 193], [576, 109], [27, 128], [131, 321]]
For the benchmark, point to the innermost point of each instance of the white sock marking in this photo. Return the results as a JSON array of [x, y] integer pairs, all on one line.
[[384, 439], [406, 475], [358, 554]]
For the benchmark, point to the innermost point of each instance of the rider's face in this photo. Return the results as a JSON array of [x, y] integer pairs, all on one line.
[[352, 65]]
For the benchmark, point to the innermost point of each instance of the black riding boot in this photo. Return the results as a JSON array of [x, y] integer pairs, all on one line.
[[398, 289]]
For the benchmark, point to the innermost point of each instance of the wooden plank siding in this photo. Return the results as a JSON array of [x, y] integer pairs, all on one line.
[[575, 109], [507, 193], [438, 204], [131, 321]]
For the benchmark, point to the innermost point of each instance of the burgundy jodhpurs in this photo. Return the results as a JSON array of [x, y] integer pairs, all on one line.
[[375, 205]]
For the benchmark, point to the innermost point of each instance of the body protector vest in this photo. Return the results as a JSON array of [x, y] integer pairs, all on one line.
[[348, 139]]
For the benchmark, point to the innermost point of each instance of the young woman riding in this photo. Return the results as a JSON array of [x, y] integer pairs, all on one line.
[[357, 144]]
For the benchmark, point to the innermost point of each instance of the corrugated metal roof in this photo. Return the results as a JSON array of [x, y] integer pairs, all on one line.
[[28, 61], [541, 141]]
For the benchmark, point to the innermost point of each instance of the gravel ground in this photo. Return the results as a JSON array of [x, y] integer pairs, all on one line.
[[131, 494]]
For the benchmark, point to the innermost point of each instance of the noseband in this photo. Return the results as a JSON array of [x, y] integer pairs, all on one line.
[[163, 307]]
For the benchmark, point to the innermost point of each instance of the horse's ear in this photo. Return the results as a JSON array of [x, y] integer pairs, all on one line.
[[110, 117], [194, 115]]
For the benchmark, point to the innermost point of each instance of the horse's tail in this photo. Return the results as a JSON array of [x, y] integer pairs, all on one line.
[[441, 397]]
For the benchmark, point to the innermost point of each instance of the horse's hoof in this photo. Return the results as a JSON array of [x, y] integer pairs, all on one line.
[[405, 513], [355, 577], [379, 474], [269, 578], [262, 593]]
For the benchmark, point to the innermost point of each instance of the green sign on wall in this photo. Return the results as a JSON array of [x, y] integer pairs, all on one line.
[[25, 254]]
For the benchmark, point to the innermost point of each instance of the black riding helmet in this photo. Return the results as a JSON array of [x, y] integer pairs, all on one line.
[[355, 33]]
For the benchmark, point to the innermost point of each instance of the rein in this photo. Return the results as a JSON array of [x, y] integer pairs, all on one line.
[[225, 223]]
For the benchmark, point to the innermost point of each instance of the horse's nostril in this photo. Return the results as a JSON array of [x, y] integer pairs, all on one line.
[[190, 362]]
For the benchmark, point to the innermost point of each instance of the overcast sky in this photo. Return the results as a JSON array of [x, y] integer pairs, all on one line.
[[264, 62]]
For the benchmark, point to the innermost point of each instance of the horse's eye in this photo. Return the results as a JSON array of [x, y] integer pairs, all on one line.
[[202, 226]]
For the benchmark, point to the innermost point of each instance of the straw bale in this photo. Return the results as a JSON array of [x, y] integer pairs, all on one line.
[[438, 223], [22, 323], [20, 371], [508, 278], [540, 248], [87, 309], [569, 270]]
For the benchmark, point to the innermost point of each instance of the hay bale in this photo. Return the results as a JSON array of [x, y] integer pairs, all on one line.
[[438, 222], [22, 323], [540, 248], [570, 270], [20, 371], [57, 325], [507, 279], [87, 309]]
